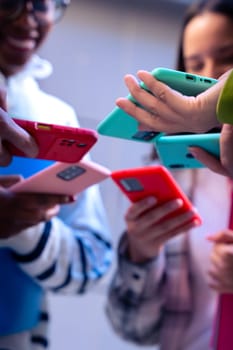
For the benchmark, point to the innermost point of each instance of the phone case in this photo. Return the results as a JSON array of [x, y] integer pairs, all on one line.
[[173, 149], [121, 125], [63, 178], [59, 143], [138, 183], [186, 83], [25, 166]]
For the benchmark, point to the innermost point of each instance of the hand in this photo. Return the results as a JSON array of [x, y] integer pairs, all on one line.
[[221, 271], [209, 160], [226, 146], [23, 210], [224, 165], [148, 228], [11, 132], [166, 110]]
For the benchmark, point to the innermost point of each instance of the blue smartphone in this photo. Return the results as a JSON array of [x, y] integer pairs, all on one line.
[[173, 149], [121, 125]]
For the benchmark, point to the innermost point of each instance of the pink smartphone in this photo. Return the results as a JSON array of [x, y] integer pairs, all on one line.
[[59, 143], [63, 178]]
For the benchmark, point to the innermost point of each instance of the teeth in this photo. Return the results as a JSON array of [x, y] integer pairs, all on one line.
[[26, 44]]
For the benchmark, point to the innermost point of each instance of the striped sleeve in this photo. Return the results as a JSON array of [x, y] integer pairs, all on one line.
[[71, 252]]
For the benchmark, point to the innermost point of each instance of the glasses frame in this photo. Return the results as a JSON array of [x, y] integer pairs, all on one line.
[[59, 5], [63, 4]]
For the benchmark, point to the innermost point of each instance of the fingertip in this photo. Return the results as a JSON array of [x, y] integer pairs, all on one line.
[[193, 152], [197, 222], [179, 202], [32, 149], [120, 99], [128, 76], [142, 71], [151, 200]]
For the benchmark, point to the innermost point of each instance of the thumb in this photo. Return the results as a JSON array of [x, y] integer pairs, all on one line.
[[9, 180], [225, 236]]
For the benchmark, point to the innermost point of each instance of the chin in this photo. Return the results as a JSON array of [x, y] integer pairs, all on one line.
[[16, 66]]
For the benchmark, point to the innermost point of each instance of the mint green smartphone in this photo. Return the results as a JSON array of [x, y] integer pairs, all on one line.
[[121, 125], [186, 83], [173, 149]]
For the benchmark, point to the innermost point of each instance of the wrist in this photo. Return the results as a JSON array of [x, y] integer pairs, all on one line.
[[138, 253]]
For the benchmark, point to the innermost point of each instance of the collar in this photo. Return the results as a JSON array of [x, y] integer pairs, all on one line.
[[37, 68]]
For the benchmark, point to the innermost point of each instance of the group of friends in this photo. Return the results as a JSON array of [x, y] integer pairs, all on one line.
[[169, 273]]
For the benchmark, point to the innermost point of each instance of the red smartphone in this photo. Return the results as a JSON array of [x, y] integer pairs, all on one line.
[[59, 143], [138, 183], [63, 178]]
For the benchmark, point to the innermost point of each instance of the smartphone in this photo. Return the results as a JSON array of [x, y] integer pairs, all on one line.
[[186, 83], [174, 153], [138, 183], [58, 143], [121, 125], [63, 178]]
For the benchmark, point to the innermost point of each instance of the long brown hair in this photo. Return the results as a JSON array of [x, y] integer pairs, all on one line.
[[223, 7]]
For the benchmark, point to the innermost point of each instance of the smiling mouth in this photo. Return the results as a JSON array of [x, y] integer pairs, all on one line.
[[21, 44]]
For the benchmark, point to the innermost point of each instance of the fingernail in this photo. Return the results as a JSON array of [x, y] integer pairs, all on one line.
[[197, 222], [179, 202], [151, 200], [192, 151]]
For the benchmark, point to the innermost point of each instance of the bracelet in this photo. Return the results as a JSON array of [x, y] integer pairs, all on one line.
[[224, 109]]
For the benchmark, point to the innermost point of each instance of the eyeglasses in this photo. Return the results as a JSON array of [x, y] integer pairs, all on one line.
[[12, 9]]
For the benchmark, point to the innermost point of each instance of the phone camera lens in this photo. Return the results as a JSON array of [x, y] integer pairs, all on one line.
[[176, 166], [189, 155]]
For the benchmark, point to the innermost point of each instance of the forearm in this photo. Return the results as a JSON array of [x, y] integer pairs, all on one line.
[[69, 255], [135, 300]]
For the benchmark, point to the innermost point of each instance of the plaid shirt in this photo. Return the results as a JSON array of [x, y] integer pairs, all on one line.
[[133, 295], [167, 301]]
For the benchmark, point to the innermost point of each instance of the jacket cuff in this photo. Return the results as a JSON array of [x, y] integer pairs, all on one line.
[[142, 278]]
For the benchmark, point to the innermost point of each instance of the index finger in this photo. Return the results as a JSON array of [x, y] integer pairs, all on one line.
[[17, 136]]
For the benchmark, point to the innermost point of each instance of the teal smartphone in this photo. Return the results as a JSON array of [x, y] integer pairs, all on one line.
[[186, 83], [119, 124], [173, 150]]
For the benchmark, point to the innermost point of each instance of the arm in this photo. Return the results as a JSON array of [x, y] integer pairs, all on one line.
[[70, 252], [137, 293]]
